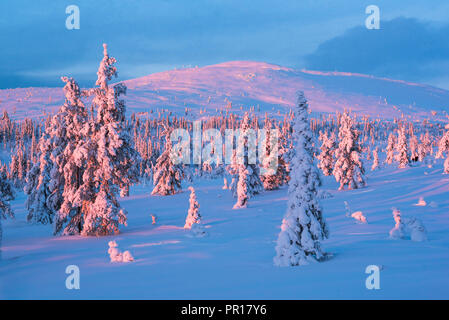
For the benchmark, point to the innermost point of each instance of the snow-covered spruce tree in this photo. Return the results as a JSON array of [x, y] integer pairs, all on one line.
[[249, 182], [284, 151], [46, 179], [193, 215], [167, 176], [116, 157], [273, 178], [102, 162], [326, 156], [242, 188], [37, 185], [390, 148], [66, 174], [425, 147], [70, 217], [6, 195], [413, 141], [303, 225], [443, 146], [17, 167], [348, 168], [375, 159], [233, 170], [6, 189], [254, 184], [402, 156]]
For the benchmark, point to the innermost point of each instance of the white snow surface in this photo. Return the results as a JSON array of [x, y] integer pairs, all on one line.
[[235, 261]]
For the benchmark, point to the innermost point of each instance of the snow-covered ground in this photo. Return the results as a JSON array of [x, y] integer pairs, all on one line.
[[235, 260]]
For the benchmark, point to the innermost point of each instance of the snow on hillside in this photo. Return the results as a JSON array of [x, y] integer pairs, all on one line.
[[235, 260], [245, 84]]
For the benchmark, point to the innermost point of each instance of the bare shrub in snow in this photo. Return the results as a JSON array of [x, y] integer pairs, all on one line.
[[116, 255]]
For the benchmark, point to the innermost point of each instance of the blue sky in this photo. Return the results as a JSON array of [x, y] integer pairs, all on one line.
[[157, 35]]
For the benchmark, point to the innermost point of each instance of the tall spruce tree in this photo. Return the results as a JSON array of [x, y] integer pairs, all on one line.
[[402, 152], [348, 168], [443, 146], [326, 156], [303, 225], [167, 176]]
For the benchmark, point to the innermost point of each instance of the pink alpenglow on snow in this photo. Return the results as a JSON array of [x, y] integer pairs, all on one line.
[[303, 225]]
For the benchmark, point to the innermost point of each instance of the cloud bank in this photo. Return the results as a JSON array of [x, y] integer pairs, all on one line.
[[404, 48]]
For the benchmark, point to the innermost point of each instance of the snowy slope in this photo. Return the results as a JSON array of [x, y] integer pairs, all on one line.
[[235, 260], [245, 84]]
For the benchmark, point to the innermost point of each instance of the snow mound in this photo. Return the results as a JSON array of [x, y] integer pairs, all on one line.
[[358, 215], [323, 194], [407, 228], [421, 202], [197, 231], [115, 254]]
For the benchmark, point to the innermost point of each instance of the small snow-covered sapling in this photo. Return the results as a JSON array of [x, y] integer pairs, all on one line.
[[116, 255]]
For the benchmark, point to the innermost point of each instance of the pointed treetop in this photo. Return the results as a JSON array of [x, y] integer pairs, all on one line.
[[106, 69], [300, 99]]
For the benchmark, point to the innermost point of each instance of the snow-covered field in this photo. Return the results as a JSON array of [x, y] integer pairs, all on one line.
[[235, 260]]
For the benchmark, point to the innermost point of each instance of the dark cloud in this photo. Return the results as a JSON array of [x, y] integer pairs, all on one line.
[[150, 36], [404, 48]]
